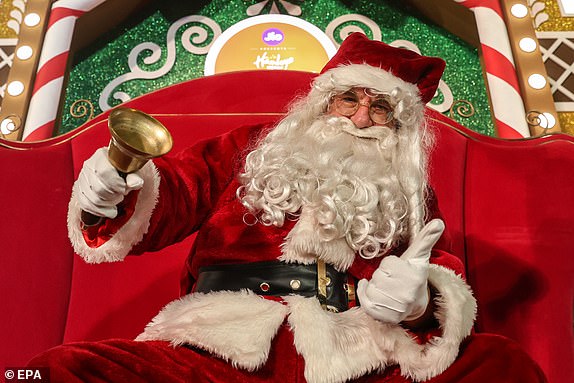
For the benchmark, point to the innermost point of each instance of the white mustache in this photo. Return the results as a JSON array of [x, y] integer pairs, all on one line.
[[378, 132]]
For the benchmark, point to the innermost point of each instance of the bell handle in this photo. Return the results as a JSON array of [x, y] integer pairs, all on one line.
[[88, 219]]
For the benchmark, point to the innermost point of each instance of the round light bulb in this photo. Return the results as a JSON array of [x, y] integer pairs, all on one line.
[[15, 88], [24, 52], [527, 44], [547, 120], [519, 10], [32, 19], [537, 81]]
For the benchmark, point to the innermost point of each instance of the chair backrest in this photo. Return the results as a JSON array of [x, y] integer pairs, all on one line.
[[510, 208]]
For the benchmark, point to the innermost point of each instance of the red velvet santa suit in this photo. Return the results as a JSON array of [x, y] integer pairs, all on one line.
[[246, 337], [239, 336]]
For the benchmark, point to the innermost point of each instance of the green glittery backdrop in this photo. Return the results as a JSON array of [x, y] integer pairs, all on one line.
[[107, 59]]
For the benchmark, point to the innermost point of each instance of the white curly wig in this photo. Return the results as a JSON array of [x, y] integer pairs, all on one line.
[[371, 192]]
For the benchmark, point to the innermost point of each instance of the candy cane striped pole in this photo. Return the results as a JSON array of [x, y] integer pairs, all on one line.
[[506, 101], [46, 95]]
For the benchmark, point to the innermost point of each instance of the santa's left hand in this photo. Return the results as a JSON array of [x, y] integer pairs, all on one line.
[[398, 288]]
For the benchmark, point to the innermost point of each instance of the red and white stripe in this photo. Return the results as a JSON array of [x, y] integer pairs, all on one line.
[[507, 103], [49, 82]]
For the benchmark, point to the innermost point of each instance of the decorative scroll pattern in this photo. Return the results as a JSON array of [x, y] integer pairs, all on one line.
[[291, 9], [447, 96], [191, 40], [9, 125], [536, 119], [346, 25], [82, 108], [463, 108]]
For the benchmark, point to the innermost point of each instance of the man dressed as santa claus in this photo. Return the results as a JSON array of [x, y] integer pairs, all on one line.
[[320, 255]]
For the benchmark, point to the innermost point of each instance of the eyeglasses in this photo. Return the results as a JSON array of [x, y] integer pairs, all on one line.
[[349, 102]]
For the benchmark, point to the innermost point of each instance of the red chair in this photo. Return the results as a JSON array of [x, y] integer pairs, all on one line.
[[509, 206]]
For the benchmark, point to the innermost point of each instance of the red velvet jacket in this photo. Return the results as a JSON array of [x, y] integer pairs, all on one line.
[[195, 191]]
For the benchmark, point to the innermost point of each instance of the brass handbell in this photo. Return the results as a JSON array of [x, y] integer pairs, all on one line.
[[136, 138]]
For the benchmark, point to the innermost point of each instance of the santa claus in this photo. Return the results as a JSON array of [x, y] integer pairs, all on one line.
[[320, 254]]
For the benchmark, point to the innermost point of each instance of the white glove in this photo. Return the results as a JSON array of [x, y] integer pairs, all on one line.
[[100, 187], [398, 289]]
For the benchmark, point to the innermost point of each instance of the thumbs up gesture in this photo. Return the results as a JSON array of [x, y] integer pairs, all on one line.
[[398, 289]]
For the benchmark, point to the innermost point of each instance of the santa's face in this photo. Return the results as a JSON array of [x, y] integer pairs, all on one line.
[[346, 160], [364, 108]]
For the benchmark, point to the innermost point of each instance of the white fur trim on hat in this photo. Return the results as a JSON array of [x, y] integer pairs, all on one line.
[[363, 76], [128, 235]]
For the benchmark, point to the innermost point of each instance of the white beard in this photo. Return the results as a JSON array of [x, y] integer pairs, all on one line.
[[345, 176], [335, 148]]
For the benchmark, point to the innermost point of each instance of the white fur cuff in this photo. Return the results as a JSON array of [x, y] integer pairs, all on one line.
[[456, 312], [129, 235], [347, 345]]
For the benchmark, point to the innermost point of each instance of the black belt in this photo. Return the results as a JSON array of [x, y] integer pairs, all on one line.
[[334, 289]]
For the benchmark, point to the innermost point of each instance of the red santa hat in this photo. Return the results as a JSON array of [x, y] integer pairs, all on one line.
[[422, 71]]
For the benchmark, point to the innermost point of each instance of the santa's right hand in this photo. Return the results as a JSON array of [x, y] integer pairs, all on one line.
[[101, 188]]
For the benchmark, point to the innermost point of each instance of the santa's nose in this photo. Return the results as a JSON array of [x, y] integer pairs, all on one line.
[[361, 118]]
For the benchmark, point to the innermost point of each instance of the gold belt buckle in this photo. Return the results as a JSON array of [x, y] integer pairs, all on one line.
[[322, 282], [350, 289]]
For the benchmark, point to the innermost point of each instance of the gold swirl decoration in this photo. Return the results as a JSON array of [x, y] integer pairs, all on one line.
[[463, 108], [80, 108], [533, 118], [10, 124], [537, 119]]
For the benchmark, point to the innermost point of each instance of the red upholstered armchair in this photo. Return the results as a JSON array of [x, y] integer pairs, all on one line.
[[509, 206]]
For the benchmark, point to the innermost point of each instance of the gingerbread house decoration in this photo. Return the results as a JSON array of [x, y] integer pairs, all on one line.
[[527, 57]]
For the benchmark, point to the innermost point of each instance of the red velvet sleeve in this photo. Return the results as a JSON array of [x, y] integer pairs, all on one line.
[[191, 183]]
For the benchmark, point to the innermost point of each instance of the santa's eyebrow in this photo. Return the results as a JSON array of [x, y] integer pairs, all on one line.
[[350, 92]]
